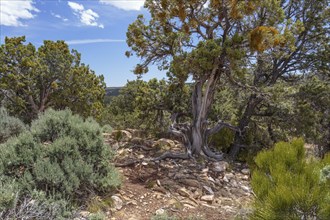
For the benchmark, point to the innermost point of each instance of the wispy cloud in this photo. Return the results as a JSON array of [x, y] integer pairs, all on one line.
[[58, 16], [93, 41], [12, 12], [87, 17], [127, 5]]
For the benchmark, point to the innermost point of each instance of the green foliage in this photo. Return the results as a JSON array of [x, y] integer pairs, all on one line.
[[164, 216], [107, 129], [97, 216], [32, 80], [325, 174], [287, 186], [262, 49], [9, 126], [312, 111], [145, 105], [222, 140], [8, 194], [62, 155]]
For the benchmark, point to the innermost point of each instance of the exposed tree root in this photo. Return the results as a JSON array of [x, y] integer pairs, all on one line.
[[211, 155], [142, 147], [183, 156], [128, 163]]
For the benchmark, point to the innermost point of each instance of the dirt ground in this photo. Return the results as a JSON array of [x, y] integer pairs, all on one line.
[[185, 189]]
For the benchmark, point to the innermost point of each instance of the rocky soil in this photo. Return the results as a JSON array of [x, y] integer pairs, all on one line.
[[186, 189]]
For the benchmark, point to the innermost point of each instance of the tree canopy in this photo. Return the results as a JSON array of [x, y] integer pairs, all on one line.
[[32, 80], [250, 44]]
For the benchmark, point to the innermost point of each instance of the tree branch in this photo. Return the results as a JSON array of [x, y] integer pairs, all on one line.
[[219, 126]]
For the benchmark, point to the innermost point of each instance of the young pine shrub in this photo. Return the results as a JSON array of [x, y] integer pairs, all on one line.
[[9, 126], [62, 155], [287, 186]]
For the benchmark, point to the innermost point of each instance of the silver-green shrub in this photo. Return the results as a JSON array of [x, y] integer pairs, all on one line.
[[9, 126], [61, 155]]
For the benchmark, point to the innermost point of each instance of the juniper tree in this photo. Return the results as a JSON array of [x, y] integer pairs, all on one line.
[[251, 44], [303, 49], [32, 80]]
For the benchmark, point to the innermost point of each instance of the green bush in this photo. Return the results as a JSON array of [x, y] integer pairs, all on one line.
[[97, 216], [107, 129], [222, 140], [61, 155], [9, 126], [163, 216], [287, 186]]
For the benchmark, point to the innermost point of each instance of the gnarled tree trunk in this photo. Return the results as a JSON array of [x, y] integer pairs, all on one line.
[[195, 135], [240, 135]]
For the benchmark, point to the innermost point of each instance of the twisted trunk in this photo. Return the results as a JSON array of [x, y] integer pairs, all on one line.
[[240, 135], [195, 135]]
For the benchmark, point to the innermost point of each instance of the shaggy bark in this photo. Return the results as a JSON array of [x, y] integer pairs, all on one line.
[[195, 135]]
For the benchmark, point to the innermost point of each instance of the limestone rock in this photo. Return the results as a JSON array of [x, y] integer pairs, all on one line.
[[164, 143], [84, 214], [207, 198], [208, 190], [117, 202], [184, 192], [160, 211], [246, 171], [246, 188], [229, 176], [220, 166]]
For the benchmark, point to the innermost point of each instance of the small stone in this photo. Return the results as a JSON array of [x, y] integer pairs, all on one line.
[[245, 177], [144, 163], [237, 192], [208, 206], [131, 202], [197, 193], [205, 170], [229, 176], [190, 182], [208, 190], [220, 166], [210, 178], [118, 203], [84, 214], [172, 202], [184, 192], [246, 188], [188, 206], [246, 171], [227, 202], [224, 193], [141, 156], [207, 198], [160, 211], [234, 183], [159, 196]]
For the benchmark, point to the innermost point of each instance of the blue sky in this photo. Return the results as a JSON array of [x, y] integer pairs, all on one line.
[[96, 28]]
